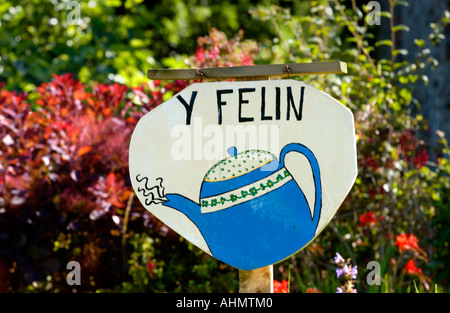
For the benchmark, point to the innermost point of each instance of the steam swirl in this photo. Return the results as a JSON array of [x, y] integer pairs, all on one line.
[[153, 194]]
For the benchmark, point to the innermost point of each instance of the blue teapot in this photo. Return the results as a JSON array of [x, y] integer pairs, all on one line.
[[251, 212]]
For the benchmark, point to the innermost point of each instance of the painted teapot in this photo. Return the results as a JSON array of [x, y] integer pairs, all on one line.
[[251, 211]]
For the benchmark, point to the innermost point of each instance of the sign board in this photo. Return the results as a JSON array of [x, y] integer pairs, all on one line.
[[250, 172]]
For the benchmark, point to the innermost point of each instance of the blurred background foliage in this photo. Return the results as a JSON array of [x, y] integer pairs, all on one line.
[[113, 40], [70, 96]]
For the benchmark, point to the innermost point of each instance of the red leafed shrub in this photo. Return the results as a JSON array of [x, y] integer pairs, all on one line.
[[64, 184], [65, 193]]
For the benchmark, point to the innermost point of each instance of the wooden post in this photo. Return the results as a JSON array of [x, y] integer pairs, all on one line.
[[259, 280]]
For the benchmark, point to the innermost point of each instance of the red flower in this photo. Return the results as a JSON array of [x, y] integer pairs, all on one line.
[[420, 159], [405, 242], [313, 290], [150, 266], [411, 268], [368, 219], [282, 287]]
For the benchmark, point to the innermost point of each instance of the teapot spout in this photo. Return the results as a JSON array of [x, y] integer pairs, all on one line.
[[186, 206]]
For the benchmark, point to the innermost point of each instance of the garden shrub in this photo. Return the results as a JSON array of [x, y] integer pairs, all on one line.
[[64, 181], [108, 41]]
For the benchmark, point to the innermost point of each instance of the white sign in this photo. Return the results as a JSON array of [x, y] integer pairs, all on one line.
[[250, 172]]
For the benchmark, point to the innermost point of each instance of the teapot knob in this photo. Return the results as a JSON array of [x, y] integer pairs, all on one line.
[[232, 151]]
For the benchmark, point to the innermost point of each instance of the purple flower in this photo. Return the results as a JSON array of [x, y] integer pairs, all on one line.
[[338, 259], [348, 272], [342, 271], [354, 272]]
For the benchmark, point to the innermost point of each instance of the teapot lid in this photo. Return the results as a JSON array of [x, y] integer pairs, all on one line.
[[238, 164]]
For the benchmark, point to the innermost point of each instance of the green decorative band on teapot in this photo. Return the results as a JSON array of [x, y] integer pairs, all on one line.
[[246, 193]]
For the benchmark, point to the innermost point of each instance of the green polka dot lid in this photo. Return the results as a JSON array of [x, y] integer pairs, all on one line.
[[238, 164]]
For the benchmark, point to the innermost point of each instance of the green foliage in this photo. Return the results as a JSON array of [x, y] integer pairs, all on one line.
[[155, 268], [441, 222], [101, 46], [110, 41]]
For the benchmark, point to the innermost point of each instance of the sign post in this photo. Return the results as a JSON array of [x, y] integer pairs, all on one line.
[[249, 171]]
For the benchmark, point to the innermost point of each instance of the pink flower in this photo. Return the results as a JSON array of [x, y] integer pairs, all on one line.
[[200, 55]]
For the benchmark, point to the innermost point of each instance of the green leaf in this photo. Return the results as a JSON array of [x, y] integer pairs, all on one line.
[[385, 42], [400, 27], [413, 78], [113, 3], [403, 79], [425, 170], [401, 2], [419, 42], [400, 51], [415, 286], [384, 14], [406, 95]]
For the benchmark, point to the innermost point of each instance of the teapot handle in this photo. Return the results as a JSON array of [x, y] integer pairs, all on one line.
[[316, 174]]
